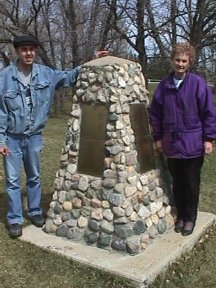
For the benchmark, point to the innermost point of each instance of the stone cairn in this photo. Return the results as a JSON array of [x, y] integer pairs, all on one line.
[[123, 210]]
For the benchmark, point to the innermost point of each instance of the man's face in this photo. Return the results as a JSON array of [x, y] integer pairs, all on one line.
[[26, 54], [181, 63]]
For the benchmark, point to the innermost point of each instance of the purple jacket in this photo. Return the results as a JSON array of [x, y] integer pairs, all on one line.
[[183, 118]]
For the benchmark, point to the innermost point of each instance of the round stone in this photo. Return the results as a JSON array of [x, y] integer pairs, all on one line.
[[71, 223], [144, 212], [133, 246], [62, 230], [168, 209], [67, 206], [86, 201], [119, 244], [108, 215], [91, 238], [154, 219], [161, 213], [113, 117], [128, 211], [152, 232], [71, 168], [62, 196], [121, 176], [130, 191], [50, 227], [153, 208], [75, 234], [134, 217], [151, 186], [121, 220], [96, 203], [108, 173], [169, 220], [152, 196], [162, 226], [118, 211], [148, 222], [77, 203], [94, 225], [119, 188], [83, 183], [159, 191], [66, 216], [90, 193], [75, 213], [105, 204], [115, 199], [139, 228], [82, 222], [57, 221], [108, 183], [104, 240], [134, 201], [96, 184], [107, 227], [144, 179], [123, 231], [97, 214], [145, 238]]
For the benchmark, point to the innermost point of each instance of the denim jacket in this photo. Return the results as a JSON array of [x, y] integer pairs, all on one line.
[[13, 104]]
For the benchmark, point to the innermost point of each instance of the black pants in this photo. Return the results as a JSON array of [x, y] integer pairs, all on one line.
[[186, 186]]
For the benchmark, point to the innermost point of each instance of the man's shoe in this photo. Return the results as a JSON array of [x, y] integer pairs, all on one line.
[[15, 230], [188, 228], [37, 220], [179, 225]]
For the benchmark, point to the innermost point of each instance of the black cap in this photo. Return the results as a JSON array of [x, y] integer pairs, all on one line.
[[25, 40]]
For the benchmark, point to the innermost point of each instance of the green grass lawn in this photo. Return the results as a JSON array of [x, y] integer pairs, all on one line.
[[24, 265]]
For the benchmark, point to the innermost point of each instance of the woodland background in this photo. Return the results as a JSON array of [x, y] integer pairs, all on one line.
[[70, 31]]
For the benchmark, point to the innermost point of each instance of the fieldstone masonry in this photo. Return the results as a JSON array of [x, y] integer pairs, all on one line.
[[123, 209]]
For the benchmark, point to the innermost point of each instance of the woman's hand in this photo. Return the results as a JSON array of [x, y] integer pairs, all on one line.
[[159, 146], [208, 147]]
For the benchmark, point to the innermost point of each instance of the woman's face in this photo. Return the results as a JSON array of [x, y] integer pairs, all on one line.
[[180, 63]]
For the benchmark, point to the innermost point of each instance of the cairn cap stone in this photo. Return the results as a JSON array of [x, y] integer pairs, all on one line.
[[25, 40]]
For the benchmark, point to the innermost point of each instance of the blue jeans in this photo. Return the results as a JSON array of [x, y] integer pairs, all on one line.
[[23, 150]]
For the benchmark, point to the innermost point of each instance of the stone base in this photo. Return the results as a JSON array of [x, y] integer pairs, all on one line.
[[141, 269]]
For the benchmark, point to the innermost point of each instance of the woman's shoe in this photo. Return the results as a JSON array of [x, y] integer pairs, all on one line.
[[188, 228], [179, 225]]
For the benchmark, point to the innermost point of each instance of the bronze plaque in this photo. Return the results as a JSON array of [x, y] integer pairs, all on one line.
[[144, 143], [92, 139]]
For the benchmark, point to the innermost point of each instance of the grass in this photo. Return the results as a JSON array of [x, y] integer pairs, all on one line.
[[24, 265], [196, 268]]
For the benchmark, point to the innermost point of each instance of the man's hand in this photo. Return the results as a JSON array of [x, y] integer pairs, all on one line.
[[4, 150], [101, 53], [208, 147]]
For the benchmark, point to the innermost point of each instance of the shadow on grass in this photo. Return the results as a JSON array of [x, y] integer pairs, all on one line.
[[45, 202], [3, 207]]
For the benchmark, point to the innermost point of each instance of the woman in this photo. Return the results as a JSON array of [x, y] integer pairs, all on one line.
[[183, 123]]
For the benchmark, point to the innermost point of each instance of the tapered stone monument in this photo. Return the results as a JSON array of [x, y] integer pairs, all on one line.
[[107, 188]]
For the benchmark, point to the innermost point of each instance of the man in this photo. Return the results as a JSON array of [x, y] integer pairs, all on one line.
[[26, 94]]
